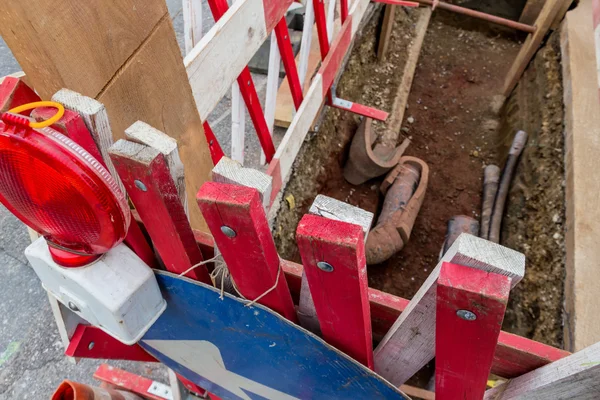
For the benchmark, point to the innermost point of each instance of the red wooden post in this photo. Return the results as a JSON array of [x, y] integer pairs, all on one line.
[[237, 220], [470, 308], [92, 342], [289, 63], [321, 21], [333, 255], [248, 91], [216, 152], [148, 181], [14, 92], [344, 10]]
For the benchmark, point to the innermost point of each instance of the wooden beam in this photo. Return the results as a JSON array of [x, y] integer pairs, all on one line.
[[410, 343], [237, 220], [146, 176], [531, 44], [333, 254], [121, 53], [469, 312], [394, 123], [531, 11], [582, 129], [386, 31], [573, 377]]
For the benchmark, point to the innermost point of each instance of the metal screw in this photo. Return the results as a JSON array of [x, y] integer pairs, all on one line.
[[228, 231], [466, 315], [73, 306], [140, 185], [91, 345], [248, 83], [325, 266]]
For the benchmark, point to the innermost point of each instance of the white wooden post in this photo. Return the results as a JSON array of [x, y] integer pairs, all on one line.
[[272, 86], [192, 23], [307, 28]]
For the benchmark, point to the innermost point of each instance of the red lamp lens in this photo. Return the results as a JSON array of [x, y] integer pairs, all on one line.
[[58, 189]]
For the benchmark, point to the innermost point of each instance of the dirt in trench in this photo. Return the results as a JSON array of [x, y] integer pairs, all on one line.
[[454, 128]]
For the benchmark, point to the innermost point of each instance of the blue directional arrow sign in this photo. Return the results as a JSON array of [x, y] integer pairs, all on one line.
[[241, 352]]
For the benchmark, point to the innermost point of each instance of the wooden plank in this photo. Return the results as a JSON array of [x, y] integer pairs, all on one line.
[[143, 133], [470, 308], [72, 45], [531, 45], [237, 220], [14, 92], [154, 90], [573, 377], [386, 31], [232, 172], [394, 122], [402, 353], [333, 254], [192, 23], [582, 127], [148, 181]]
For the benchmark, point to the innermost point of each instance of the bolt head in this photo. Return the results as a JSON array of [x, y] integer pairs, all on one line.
[[228, 231], [325, 266], [91, 345], [140, 185], [466, 315], [73, 306]]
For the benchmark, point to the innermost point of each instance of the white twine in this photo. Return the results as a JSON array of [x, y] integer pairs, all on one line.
[[223, 271]]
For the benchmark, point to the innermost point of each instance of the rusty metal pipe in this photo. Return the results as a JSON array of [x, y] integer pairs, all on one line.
[[481, 15], [491, 178], [516, 149], [403, 201], [458, 225]]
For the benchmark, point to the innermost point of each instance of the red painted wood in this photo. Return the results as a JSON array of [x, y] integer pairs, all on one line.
[[321, 21], [363, 110], [92, 342], [248, 91], [251, 255], [289, 63], [464, 349], [398, 3], [274, 170], [71, 125], [516, 355], [341, 295], [216, 152], [14, 92], [344, 10], [275, 11], [126, 380], [331, 64], [162, 212], [257, 116]]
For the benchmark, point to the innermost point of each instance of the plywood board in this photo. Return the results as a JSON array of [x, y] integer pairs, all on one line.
[[582, 141]]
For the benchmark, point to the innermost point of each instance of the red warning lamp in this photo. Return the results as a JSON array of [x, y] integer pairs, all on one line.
[[58, 189]]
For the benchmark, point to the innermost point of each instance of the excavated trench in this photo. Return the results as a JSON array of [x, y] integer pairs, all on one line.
[[458, 126]]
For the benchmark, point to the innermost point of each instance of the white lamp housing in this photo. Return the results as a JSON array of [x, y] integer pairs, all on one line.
[[117, 293]]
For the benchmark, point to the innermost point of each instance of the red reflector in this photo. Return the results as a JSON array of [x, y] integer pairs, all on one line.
[[58, 189]]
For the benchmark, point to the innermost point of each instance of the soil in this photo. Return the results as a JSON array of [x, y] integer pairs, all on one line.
[[535, 212], [455, 129]]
